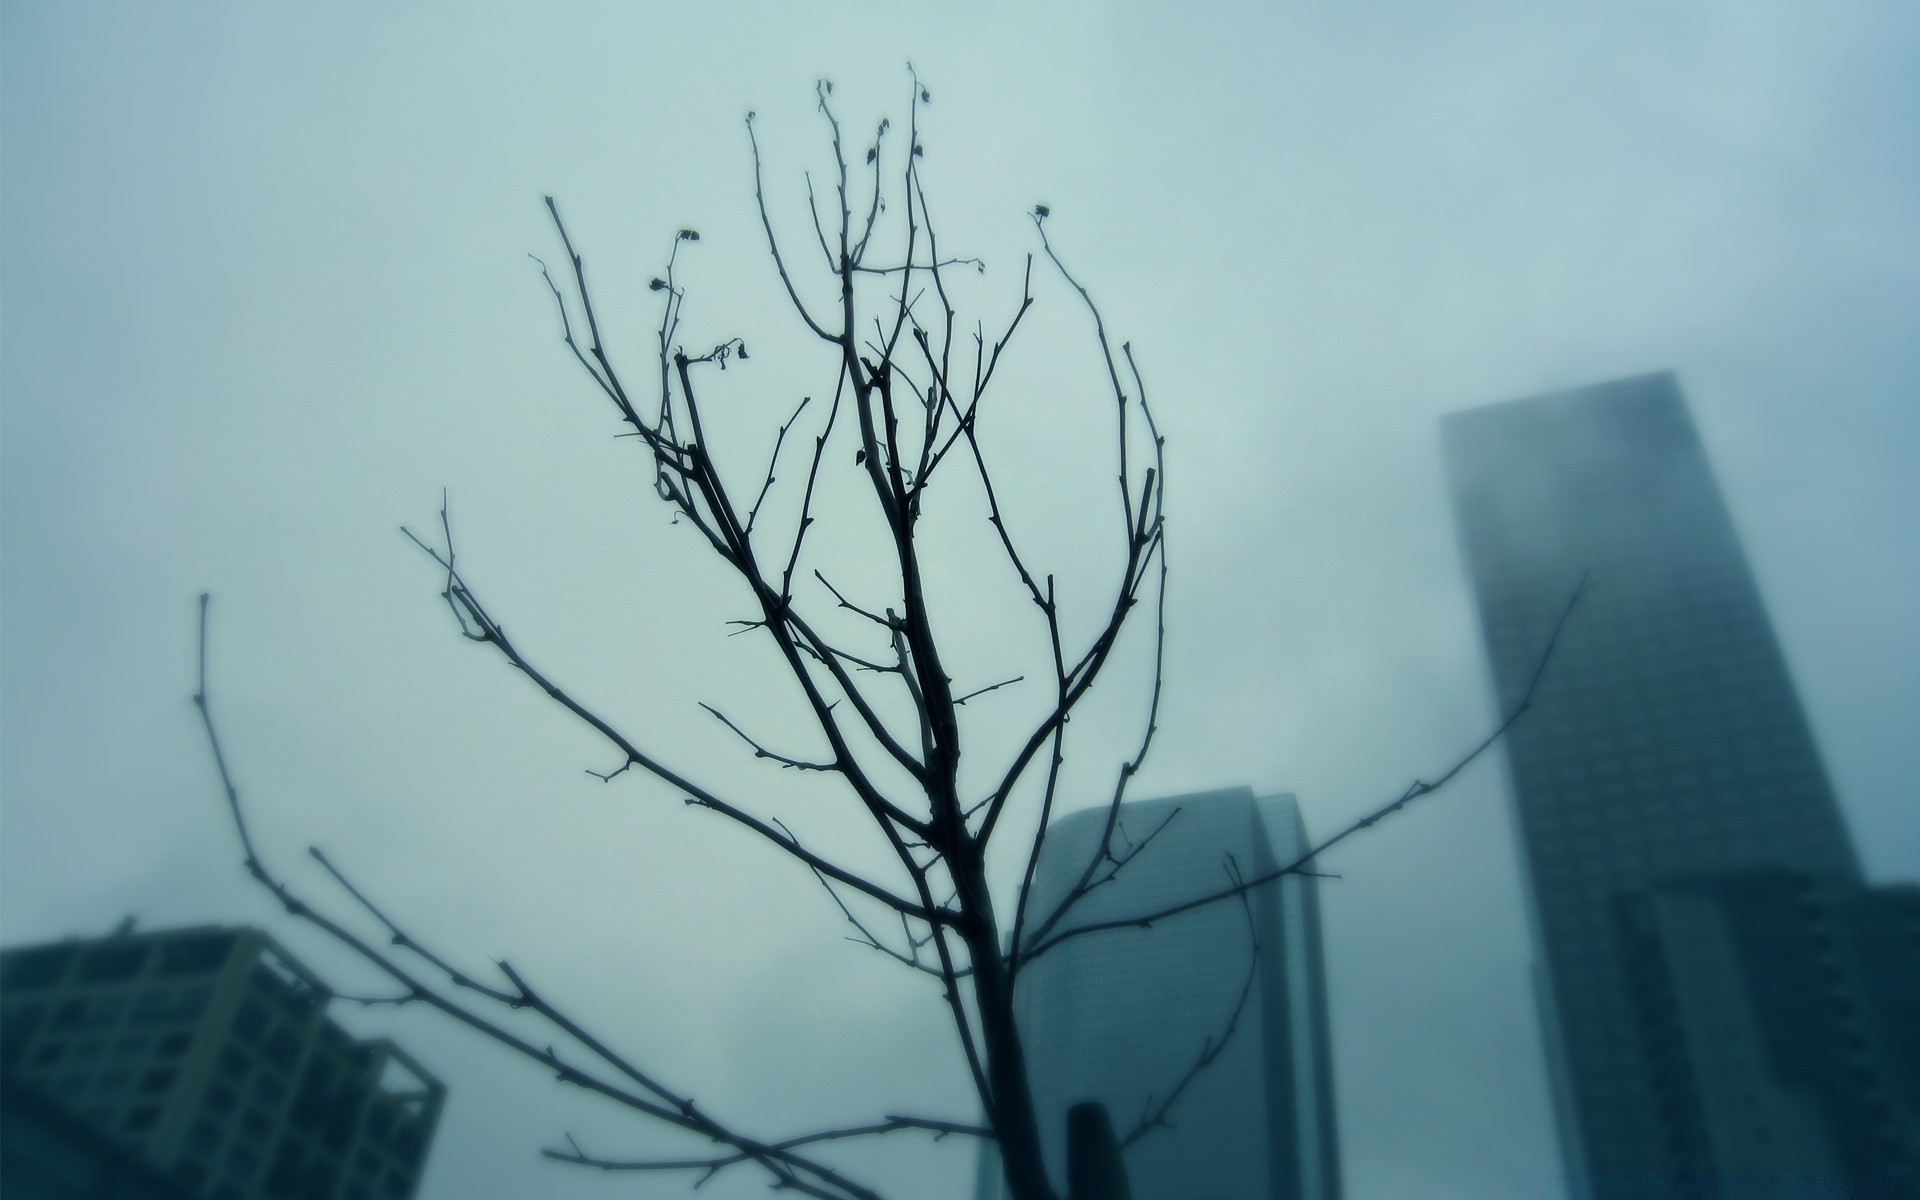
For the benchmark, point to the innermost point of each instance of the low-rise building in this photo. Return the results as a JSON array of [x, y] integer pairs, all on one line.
[[207, 1054]]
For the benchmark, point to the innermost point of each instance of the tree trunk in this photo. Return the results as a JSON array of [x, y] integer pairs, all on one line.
[[1015, 1123]]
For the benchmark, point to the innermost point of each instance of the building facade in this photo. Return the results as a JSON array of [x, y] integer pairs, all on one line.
[[1122, 1016], [206, 1055], [1665, 757], [1780, 1015]]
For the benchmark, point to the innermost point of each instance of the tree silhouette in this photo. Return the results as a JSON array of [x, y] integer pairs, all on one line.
[[910, 379]]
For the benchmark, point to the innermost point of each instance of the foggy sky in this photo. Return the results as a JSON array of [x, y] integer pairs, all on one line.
[[266, 292]]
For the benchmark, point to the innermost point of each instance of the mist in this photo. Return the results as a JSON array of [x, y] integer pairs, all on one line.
[[267, 293]]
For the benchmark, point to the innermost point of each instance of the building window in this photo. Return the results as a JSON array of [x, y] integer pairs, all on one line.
[[191, 956], [111, 964], [204, 1136], [149, 1007], [35, 968], [250, 1020], [243, 1160], [281, 1046], [106, 1010], [220, 1100]]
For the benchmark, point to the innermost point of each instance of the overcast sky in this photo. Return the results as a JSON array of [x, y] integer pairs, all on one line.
[[267, 293]]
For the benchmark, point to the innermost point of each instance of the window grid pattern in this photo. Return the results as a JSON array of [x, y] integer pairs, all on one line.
[[1666, 739], [1120, 1016], [209, 1054]]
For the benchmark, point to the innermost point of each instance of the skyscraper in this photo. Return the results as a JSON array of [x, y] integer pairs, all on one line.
[[1778, 1021], [1665, 759], [205, 1054], [1122, 1016]]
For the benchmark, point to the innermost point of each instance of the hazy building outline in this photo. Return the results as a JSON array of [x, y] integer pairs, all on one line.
[[1780, 1008], [207, 1053], [1122, 1015], [1665, 759]]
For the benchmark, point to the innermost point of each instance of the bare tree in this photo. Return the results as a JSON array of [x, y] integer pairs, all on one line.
[[910, 381]]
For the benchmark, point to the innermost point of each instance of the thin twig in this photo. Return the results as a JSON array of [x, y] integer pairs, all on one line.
[[1155, 1116], [1414, 791], [760, 751], [788, 1169]]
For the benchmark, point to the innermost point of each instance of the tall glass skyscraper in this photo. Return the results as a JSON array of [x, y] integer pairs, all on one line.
[[1121, 1016], [1669, 795]]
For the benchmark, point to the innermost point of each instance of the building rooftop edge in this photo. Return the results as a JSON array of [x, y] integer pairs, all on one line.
[[1569, 394]]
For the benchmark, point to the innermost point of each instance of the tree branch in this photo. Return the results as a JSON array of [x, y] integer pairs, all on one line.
[[789, 1170], [713, 1164], [1414, 791], [760, 751], [492, 633], [1155, 1117]]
